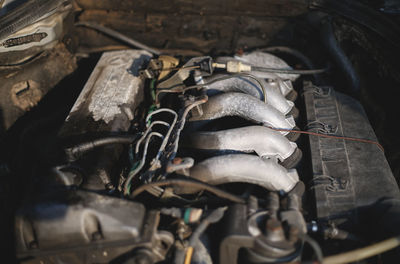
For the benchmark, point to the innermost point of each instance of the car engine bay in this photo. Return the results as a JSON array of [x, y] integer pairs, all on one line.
[[139, 154]]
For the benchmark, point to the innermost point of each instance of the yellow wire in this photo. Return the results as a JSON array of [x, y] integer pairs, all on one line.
[[363, 253], [180, 68], [188, 257]]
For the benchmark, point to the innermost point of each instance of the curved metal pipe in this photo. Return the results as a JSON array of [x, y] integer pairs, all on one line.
[[244, 168], [248, 86], [247, 107], [261, 140]]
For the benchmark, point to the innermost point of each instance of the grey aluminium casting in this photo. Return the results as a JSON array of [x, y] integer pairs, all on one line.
[[247, 107], [261, 140], [244, 168], [248, 86]]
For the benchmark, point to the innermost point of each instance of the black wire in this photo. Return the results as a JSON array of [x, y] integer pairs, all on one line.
[[75, 152], [339, 56], [199, 86], [294, 53], [245, 75], [186, 182], [291, 51], [288, 71]]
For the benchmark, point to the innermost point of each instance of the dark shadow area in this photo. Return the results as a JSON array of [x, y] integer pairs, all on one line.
[[26, 145]]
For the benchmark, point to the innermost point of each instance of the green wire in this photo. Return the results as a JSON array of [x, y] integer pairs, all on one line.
[[152, 89], [152, 108], [134, 166], [153, 96], [186, 216]]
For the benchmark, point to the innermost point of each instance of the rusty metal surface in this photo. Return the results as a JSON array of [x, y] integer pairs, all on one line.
[[21, 87], [201, 26], [110, 96], [195, 32], [26, 94], [238, 7]]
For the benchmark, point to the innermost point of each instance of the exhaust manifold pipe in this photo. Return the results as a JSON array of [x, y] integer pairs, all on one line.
[[245, 168], [261, 140], [247, 107]]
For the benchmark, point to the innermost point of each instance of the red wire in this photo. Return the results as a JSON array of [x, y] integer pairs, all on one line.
[[332, 136]]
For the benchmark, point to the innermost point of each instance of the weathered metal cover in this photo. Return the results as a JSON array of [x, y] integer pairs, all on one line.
[[110, 96], [352, 181], [106, 105]]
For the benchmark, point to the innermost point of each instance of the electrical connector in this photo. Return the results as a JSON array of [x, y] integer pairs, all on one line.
[[219, 65], [237, 66]]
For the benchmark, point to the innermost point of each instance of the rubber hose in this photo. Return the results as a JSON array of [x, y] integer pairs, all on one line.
[[294, 53], [340, 58]]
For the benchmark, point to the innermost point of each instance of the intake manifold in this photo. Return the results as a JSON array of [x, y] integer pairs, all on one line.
[[265, 142], [247, 107], [236, 168]]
